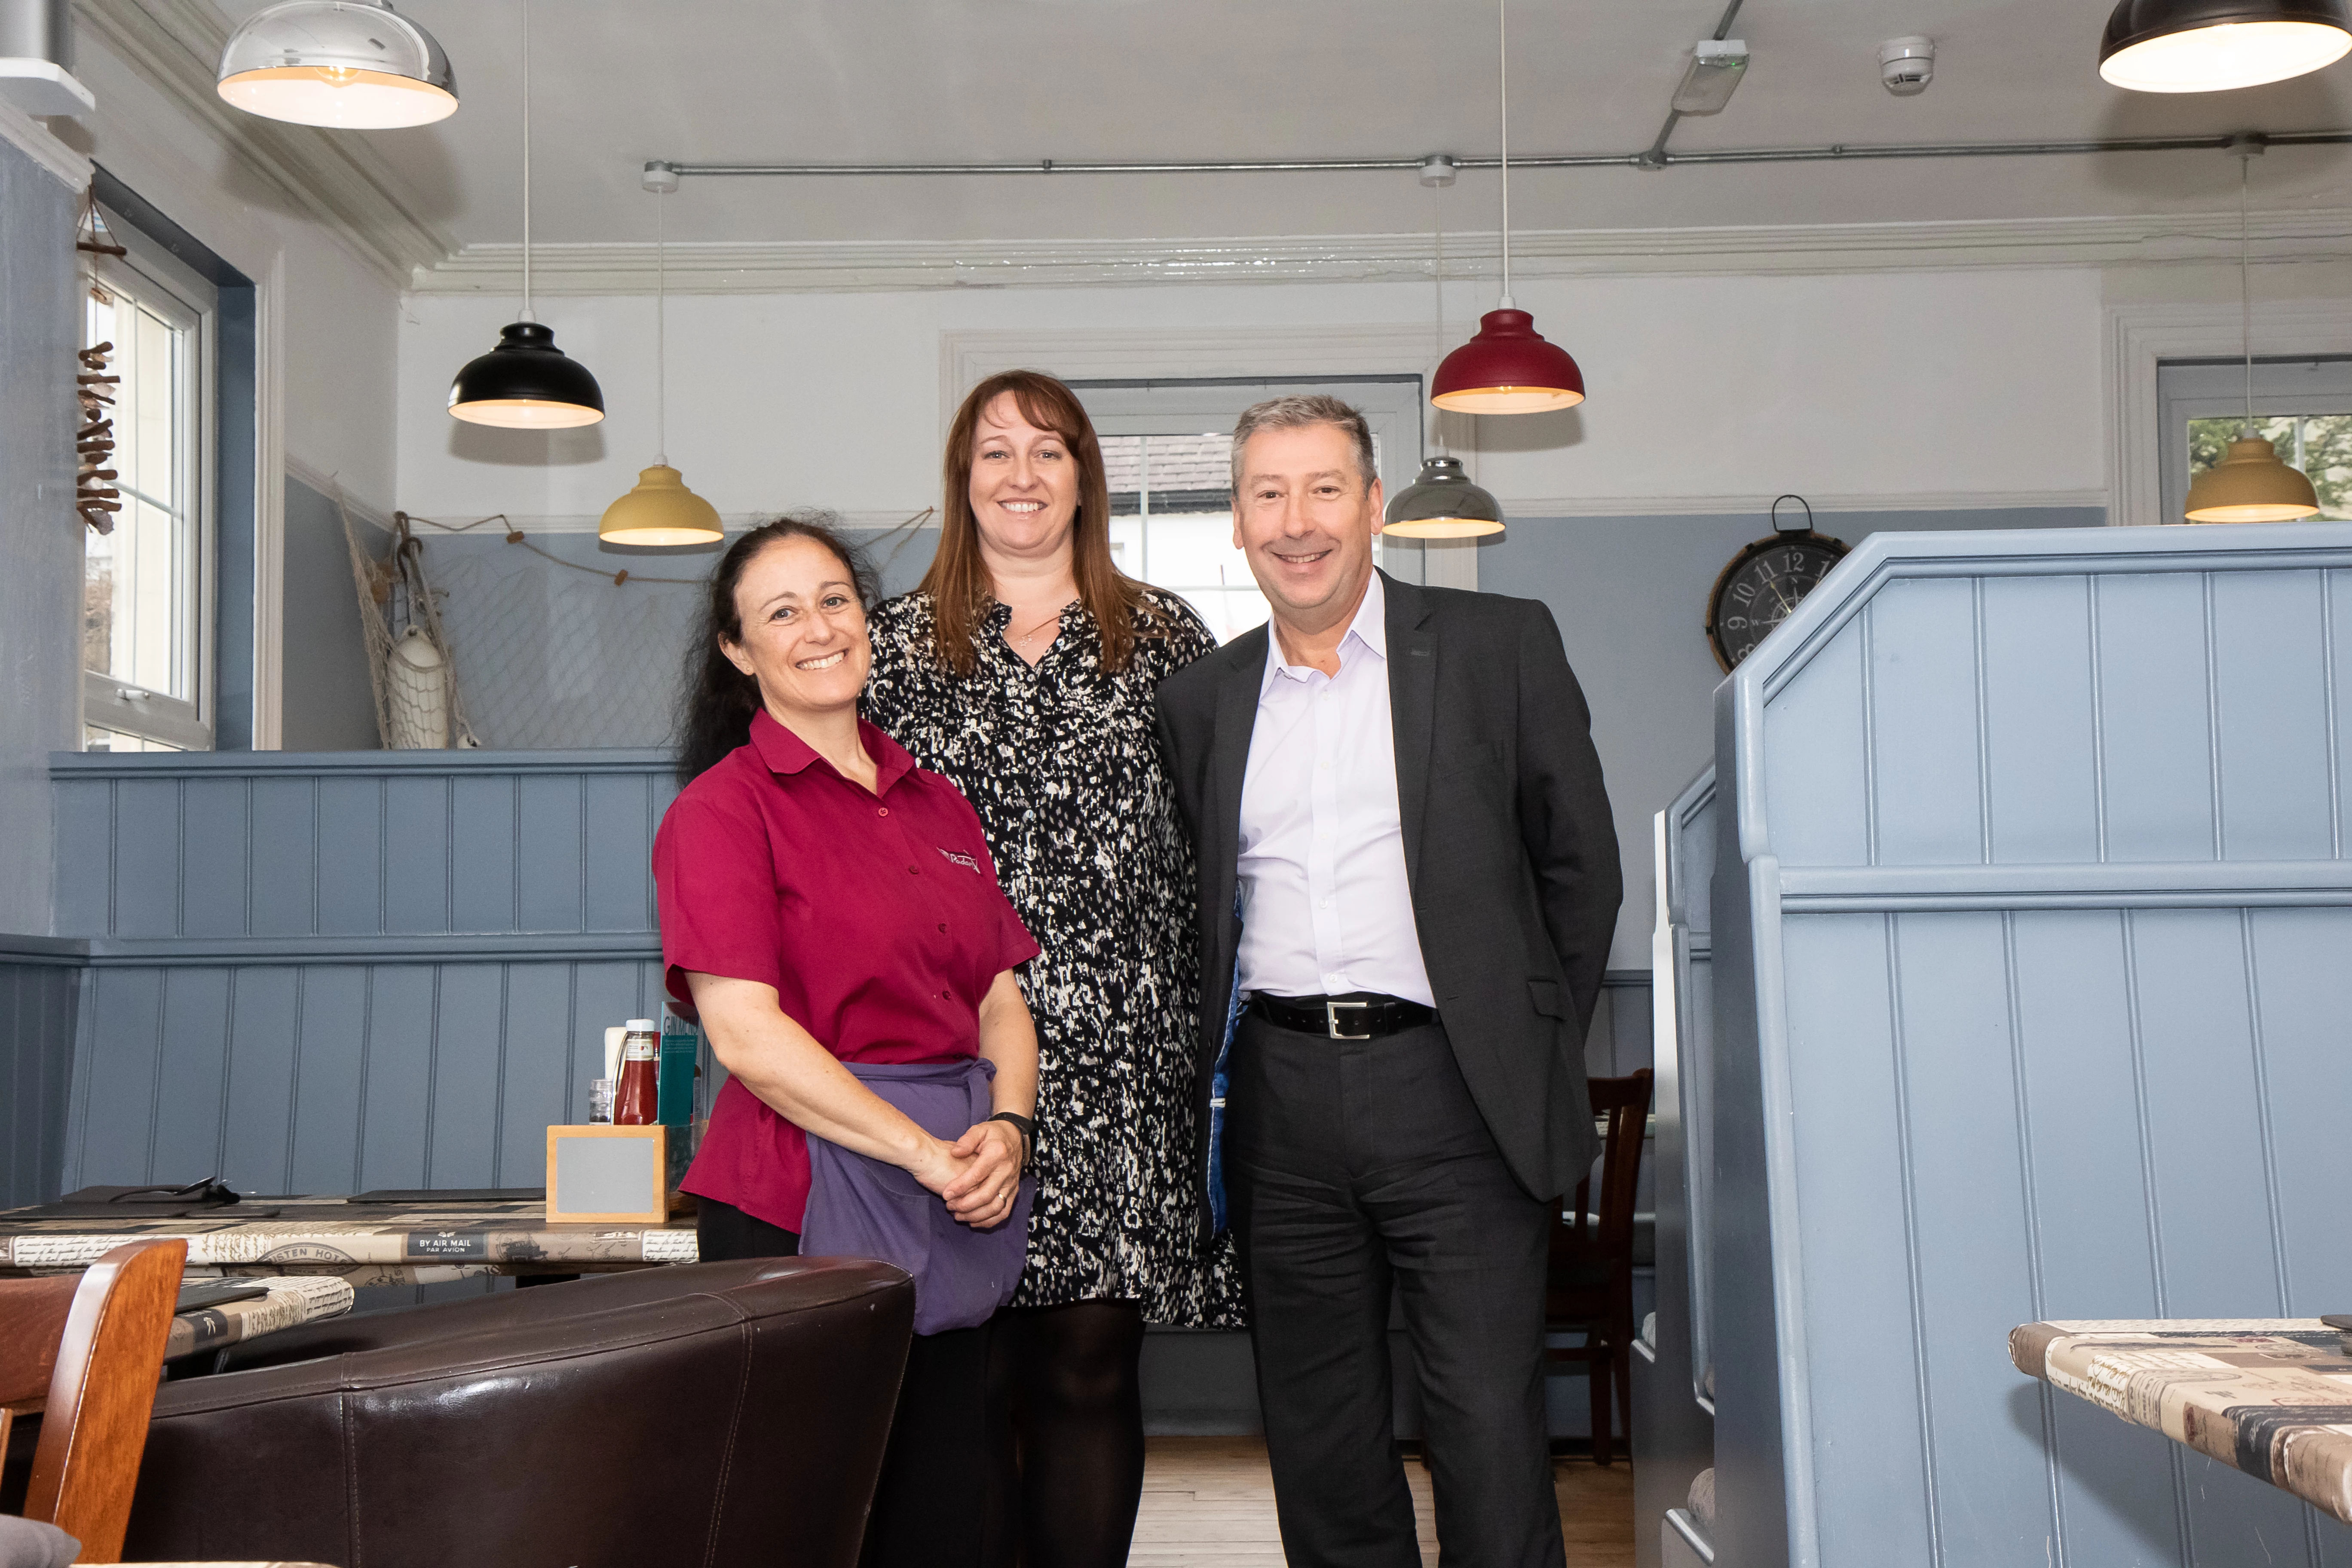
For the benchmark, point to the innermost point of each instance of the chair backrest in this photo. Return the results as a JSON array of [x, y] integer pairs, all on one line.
[[1625, 1103], [88, 1352]]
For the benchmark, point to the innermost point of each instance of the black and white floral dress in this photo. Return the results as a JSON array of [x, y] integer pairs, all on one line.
[[1060, 763]]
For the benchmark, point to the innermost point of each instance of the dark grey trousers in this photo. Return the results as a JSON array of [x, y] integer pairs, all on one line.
[[1354, 1167]]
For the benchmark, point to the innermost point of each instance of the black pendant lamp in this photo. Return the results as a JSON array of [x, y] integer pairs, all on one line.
[[526, 382], [2212, 46]]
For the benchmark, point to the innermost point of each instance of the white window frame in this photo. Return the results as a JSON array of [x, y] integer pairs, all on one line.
[[153, 276], [2216, 389]]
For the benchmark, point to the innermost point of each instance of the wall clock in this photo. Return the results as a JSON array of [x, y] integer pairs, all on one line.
[[1766, 581]]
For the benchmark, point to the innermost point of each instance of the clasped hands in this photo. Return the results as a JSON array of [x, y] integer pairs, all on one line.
[[978, 1176]]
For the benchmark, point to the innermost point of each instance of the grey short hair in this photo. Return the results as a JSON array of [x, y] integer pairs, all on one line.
[[1298, 411]]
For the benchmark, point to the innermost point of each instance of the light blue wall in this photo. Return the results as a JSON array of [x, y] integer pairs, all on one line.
[[2031, 915], [1630, 595], [329, 704], [40, 535], [40, 983]]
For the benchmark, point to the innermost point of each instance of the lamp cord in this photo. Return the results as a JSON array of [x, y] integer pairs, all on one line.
[[2246, 289], [525, 162], [1503, 74], [661, 335], [1436, 417]]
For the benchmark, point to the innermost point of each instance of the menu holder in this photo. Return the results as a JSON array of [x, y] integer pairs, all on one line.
[[604, 1174]]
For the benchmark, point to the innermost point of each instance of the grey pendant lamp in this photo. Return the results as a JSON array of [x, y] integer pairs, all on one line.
[[660, 510], [526, 382], [2250, 484], [354, 65], [1442, 502]]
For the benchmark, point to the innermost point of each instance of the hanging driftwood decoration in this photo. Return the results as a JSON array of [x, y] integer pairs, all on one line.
[[94, 494]]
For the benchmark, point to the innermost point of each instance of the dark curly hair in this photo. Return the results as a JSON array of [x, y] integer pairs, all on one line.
[[720, 698]]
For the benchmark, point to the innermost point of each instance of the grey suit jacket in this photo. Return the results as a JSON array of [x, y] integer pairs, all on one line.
[[1508, 847]]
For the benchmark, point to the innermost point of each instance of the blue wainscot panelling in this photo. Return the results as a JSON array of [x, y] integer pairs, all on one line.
[[2031, 925], [1674, 1431], [342, 971]]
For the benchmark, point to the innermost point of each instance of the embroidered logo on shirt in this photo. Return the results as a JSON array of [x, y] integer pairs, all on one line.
[[966, 861]]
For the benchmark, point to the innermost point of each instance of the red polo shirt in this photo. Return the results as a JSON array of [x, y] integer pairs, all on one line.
[[876, 917]]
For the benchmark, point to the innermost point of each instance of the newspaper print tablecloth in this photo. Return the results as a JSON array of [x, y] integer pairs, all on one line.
[[357, 1242], [290, 1300], [2271, 1395]]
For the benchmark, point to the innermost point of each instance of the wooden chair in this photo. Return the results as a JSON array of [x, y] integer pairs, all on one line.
[[87, 1351], [1590, 1278]]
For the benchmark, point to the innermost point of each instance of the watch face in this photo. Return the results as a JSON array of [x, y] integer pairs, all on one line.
[[1763, 584]]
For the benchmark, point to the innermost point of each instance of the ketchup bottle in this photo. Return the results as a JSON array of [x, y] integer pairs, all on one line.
[[637, 1100]]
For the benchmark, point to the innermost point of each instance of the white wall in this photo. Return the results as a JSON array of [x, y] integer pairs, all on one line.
[[1881, 390]]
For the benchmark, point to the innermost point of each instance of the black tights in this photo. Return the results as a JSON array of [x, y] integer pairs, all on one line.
[[1071, 1470]]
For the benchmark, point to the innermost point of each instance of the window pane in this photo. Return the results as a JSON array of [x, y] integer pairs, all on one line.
[[2318, 444], [138, 583], [97, 740]]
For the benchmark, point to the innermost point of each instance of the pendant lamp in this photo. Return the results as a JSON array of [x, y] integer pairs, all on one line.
[[660, 510], [1508, 368], [2212, 46], [354, 65], [2250, 484], [526, 382], [1441, 503]]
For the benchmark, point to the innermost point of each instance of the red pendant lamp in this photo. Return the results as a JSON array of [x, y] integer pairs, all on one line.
[[1509, 367]]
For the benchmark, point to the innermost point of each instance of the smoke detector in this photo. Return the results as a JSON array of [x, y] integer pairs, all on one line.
[[1907, 65]]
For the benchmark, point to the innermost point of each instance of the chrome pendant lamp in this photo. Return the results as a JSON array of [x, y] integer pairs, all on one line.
[[2212, 45], [660, 510], [526, 382], [1509, 367], [355, 65], [2250, 484], [1441, 503]]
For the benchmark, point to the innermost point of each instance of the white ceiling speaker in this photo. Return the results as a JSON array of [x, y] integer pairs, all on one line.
[[1907, 65], [353, 65]]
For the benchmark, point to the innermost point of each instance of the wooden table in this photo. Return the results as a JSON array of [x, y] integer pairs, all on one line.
[[2271, 1395], [361, 1244]]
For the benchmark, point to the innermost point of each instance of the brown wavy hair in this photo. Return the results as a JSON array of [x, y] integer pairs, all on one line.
[[958, 581]]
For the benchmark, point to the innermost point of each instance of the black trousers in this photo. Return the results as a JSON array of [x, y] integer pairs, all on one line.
[[930, 1504], [1356, 1167]]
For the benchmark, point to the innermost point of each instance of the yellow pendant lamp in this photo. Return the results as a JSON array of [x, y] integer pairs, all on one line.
[[2250, 484], [660, 510]]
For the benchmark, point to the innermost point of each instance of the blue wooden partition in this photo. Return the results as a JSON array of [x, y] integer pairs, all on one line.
[[345, 970], [2033, 964], [1674, 1431]]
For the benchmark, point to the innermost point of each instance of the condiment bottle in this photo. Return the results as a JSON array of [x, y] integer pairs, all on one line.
[[639, 1100]]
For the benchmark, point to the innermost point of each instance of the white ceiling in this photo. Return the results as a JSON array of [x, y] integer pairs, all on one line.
[[619, 81]]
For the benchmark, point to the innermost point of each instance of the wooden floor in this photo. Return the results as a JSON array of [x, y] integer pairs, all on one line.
[[1208, 1503]]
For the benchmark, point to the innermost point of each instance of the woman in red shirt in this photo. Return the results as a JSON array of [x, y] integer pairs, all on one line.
[[823, 900]]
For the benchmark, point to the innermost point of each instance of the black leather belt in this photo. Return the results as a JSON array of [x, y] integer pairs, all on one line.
[[1342, 1017]]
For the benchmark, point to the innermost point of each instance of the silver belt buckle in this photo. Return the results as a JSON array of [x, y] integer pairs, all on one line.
[[1331, 1019]]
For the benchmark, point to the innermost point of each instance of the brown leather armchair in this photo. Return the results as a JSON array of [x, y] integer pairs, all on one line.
[[704, 1416]]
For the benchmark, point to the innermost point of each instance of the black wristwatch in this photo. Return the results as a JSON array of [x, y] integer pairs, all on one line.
[[1028, 1130]]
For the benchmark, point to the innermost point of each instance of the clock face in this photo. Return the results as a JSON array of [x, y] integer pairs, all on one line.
[[1763, 584]]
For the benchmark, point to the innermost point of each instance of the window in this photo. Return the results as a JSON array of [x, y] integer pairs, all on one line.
[[146, 663], [2304, 407], [1168, 449]]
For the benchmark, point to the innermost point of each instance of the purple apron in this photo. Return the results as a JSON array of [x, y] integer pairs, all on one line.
[[859, 1207]]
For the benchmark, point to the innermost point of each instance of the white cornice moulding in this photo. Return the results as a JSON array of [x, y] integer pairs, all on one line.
[[1826, 504], [536, 524], [779, 267], [34, 140], [344, 183], [2140, 337]]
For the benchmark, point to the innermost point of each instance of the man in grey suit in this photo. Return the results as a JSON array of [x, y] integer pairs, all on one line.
[[1408, 882]]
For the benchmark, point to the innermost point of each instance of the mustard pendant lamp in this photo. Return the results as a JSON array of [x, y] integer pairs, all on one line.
[[660, 510], [1441, 503], [526, 382], [1509, 367], [2249, 484]]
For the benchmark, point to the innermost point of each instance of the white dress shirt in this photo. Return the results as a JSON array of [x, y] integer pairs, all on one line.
[[1326, 908]]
